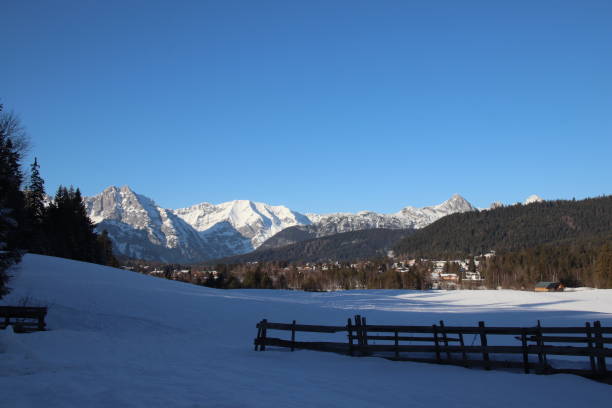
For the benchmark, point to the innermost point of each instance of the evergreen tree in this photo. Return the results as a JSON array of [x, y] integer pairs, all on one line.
[[70, 232], [34, 196], [11, 203]]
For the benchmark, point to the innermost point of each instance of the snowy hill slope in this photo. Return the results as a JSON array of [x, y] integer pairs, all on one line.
[[118, 338]]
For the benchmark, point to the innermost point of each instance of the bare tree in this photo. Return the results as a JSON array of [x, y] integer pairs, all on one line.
[[11, 127]]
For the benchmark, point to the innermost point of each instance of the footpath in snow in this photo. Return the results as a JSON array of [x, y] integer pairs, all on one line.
[[120, 339]]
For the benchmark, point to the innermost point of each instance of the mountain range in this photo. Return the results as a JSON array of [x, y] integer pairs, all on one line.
[[141, 229]]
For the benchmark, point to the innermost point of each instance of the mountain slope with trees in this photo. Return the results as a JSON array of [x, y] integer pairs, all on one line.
[[511, 228], [347, 246]]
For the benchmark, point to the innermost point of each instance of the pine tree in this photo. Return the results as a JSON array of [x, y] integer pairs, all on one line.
[[11, 204], [34, 196], [69, 231]]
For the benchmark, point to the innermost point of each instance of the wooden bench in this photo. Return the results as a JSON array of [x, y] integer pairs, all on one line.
[[23, 319]]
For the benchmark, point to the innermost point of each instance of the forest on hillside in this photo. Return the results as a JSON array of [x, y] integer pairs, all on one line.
[[346, 246], [511, 228], [585, 262]]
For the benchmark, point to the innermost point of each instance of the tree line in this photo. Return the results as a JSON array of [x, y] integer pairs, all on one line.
[[30, 221], [586, 262], [372, 274]]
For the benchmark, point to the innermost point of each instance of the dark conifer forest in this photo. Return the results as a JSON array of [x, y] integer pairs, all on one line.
[[511, 228], [28, 223]]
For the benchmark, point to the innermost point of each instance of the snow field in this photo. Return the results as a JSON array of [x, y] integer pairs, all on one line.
[[122, 339]]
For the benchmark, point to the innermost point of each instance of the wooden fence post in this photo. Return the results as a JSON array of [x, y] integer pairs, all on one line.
[[364, 331], [483, 344], [293, 336], [525, 352], [264, 329], [258, 335], [541, 353], [601, 359], [359, 334], [445, 340], [436, 343], [462, 344], [396, 344], [349, 328], [590, 345]]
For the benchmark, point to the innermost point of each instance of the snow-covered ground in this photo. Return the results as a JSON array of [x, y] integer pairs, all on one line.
[[120, 339]]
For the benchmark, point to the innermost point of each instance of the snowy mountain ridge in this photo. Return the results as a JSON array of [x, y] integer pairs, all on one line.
[[139, 228]]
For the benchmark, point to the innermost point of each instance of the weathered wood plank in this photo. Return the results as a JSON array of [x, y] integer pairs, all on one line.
[[305, 327], [349, 326], [483, 343], [445, 339], [567, 339], [409, 338], [525, 352], [601, 359], [590, 346]]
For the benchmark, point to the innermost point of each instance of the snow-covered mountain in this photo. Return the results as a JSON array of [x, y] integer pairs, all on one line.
[[406, 218], [534, 198], [253, 221], [139, 228]]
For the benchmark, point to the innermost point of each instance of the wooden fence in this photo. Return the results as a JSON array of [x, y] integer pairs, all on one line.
[[443, 344]]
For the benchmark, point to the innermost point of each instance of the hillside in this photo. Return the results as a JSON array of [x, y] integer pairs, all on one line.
[[122, 339], [347, 246], [511, 228]]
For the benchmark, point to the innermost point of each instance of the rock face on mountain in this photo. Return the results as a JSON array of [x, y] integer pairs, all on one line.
[[407, 218], [139, 228]]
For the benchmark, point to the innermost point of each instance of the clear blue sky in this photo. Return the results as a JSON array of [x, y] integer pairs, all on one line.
[[318, 105]]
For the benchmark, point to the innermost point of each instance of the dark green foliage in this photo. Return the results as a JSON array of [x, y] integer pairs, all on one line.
[[105, 250], [510, 228], [586, 262], [34, 194], [70, 233], [11, 197], [354, 245], [11, 203], [35, 210], [288, 236], [603, 267]]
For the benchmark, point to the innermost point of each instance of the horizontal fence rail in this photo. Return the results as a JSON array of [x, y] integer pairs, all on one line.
[[446, 344]]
